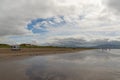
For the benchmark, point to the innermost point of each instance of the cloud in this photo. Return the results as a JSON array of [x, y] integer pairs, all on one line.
[[44, 20], [15, 14], [40, 25], [114, 5]]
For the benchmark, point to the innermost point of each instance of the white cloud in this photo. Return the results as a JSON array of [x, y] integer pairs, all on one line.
[[87, 18]]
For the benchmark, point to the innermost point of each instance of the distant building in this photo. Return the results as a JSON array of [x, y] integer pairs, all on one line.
[[15, 47]]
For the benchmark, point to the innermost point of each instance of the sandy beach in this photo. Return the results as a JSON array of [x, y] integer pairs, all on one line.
[[7, 52], [84, 65]]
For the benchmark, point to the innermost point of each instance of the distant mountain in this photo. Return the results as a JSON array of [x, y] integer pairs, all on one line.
[[114, 46]]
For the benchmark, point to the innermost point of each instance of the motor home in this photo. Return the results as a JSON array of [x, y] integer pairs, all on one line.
[[15, 47]]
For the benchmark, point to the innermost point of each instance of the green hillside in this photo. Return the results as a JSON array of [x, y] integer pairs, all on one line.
[[4, 46]]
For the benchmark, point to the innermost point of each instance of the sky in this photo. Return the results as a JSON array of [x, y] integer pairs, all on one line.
[[60, 22]]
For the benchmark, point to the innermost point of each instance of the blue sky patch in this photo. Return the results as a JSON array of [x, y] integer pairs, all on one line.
[[40, 25]]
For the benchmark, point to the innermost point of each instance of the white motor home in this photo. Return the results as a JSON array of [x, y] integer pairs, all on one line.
[[15, 47]]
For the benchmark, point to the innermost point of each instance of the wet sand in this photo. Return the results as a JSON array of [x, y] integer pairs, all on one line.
[[7, 52], [85, 65]]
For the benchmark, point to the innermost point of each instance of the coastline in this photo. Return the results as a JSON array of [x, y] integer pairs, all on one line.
[[7, 52]]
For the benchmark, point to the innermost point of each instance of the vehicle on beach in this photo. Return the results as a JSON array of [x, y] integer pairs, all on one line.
[[15, 48]]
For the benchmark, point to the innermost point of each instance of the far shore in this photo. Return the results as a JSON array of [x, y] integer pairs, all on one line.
[[7, 52]]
